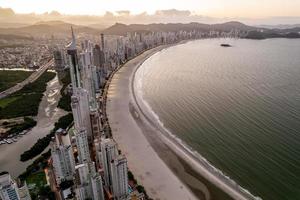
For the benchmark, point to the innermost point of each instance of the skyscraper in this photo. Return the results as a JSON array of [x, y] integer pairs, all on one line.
[[109, 152], [119, 177], [23, 191], [97, 187], [82, 146], [73, 60], [58, 60], [83, 187], [8, 187], [81, 111], [62, 157]]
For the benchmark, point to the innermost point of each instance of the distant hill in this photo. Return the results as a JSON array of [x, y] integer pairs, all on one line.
[[48, 28], [12, 25], [280, 26], [121, 29], [13, 37], [61, 28], [253, 32]]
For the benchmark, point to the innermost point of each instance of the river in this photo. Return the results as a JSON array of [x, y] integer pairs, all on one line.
[[48, 114]]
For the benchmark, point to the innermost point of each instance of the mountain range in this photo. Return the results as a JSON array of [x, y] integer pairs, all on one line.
[[60, 28]]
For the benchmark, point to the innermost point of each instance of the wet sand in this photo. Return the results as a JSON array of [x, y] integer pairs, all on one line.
[[160, 164]]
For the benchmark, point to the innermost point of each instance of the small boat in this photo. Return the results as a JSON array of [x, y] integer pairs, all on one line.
[[226, 45], [15, 139]]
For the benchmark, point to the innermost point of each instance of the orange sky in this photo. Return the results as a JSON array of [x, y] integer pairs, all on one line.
[[215, 8]]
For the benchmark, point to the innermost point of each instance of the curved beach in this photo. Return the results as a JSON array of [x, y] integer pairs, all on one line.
[[160, 162]]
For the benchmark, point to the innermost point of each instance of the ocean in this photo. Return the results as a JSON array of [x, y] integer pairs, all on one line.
[[239, 107]]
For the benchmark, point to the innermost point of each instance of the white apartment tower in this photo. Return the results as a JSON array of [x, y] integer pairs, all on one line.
[[81, 111], [23, 191], [97, 187], [109, 152], [8, 187], [82, 146], [83, 187], [119, 178], [62, 157]]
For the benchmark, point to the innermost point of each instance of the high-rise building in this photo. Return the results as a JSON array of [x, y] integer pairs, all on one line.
[[82, 180], [73, 61], [109, 152], [8, 187], [82, 146], [89, 76], [98, 153], [62, 157], [119, 177], [81, 111], [87, 182], [97, 187], [58, 60], [99, 62], [95, 122], [23, 191], [102, 42], [81, 192]]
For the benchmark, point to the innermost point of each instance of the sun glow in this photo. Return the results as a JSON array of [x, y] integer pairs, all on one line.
[[219, 8]]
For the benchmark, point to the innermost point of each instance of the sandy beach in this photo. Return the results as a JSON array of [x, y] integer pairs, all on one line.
[[158, 161]]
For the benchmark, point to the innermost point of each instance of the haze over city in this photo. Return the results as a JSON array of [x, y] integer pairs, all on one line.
[[255, 12], [149, 99]]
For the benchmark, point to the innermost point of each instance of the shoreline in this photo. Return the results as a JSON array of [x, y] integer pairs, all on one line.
[[180, 162]]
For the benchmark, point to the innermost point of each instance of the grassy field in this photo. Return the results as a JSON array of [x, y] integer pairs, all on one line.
[[26, 101], [11, 78], [38, 178], [4, 102]]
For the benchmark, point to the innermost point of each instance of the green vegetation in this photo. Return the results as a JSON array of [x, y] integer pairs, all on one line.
[[28, 123], [37, 178], [138, 187], [35, 175], [10, 78], [64, 122], [4, 102], [29, 98], [43, 193], [65, 100], [39, 164], [258, 35]]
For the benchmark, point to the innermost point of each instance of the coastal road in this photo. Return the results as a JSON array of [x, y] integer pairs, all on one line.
[[34, 76]]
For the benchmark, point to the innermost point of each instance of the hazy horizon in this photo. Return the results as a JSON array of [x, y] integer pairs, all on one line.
[[106, 13]]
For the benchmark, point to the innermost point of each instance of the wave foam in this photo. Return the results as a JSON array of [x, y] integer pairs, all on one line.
[[138, 90]]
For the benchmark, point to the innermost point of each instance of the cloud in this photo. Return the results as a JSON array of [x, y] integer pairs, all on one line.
[[7, 15], [173, 12], [123, 12]]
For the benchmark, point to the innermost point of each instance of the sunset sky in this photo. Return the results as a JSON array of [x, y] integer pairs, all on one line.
[[216, 8]]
